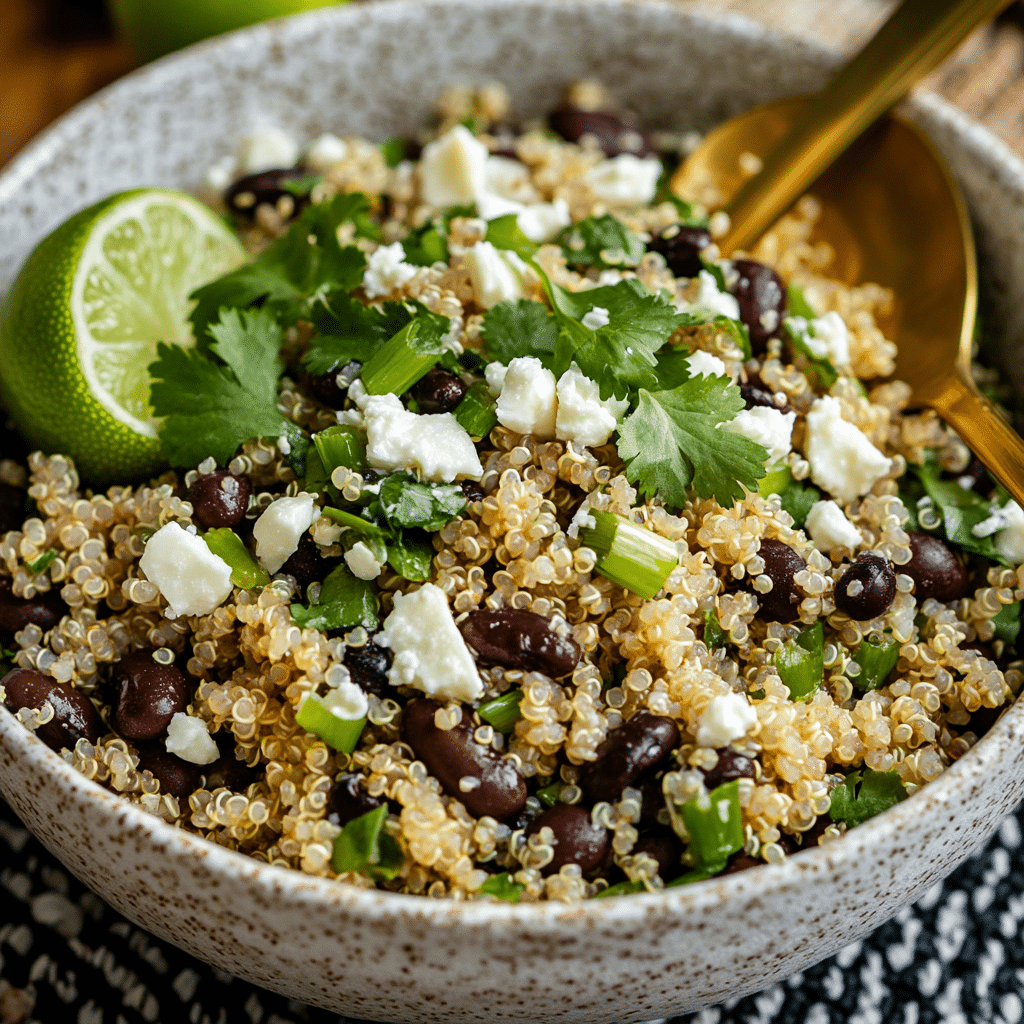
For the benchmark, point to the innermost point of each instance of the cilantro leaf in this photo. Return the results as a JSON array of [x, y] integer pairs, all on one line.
[[212, 405], [797, 303], [365, 844], [798, 500], [672, 439], [797, 329], [1006, 622], [411, 556], [305, 263], [738, 331], [521, 328], [600, 242], [504, 888], [350, 330], [406, 502], [428, 244], [345, 601], [865, 794], [504, 233]]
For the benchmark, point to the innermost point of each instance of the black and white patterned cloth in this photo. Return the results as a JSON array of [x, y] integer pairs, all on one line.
[[955, 957]]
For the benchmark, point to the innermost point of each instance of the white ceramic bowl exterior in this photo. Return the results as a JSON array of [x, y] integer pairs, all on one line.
[[375, 69]]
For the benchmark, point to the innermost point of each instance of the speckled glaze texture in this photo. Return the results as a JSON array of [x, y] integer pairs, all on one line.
[[374, 69]]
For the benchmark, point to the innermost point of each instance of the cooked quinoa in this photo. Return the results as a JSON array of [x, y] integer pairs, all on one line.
[[698, 670]]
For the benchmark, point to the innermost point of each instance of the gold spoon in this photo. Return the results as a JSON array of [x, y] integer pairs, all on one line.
[[892, 212]]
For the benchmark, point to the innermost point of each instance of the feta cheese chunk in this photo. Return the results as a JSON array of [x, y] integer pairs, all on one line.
[[595, 318], [528, 402], [346, 701], [191, 578], [189, 739], [267, 149], [362, 561], [727, 718], [497, 274], [324, 151], [1007, 523], [843, 461], [709, 301], [280, 528], [582, 520], [769, 428], [582, 417], [829, 339], [625, 180], [436, 446], [430, 653], [386, 271], [495, 376], [453, 169], [540, 222], [704, 364], [829, 528], [509, 179]]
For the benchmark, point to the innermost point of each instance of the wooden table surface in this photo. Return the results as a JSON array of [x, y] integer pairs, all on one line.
[[54, 53]]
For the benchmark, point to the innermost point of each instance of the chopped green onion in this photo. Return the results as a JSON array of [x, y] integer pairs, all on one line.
[[796, 303], [774, 482], [622, 889], [339, 446], [715, 826], [316, 478], [714, 635], [476, 412], [1006, 622], [801, 663], [503, 888], [246, 572], [316, 717], [549, 794], [366, 844], [502, 713], [877, 658], [354, 522], [43, 561], [698, 875], [635, 558], [400, 362]]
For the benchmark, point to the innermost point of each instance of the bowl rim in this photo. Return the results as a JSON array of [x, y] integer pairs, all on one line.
[[541, 916]]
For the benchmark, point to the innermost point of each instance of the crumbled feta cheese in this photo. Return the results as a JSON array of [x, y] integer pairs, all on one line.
[[280, 528], [829, 339], [704, 364], [221, 174], [829, 528], [582, 417], [769, 428], [324, 151], [430, 653], [540, 222], [509, 179], [581, 520], [266, 150], [386, 271], [189, 739], [495, 375], [496, 274], [346, 701], [1007, 523], [361, 560], [453, 169], [596, 318], [727, 718], [192, 579], [625, 179], [842, 460], [490, 206], [527, 402], [436, 445], [709, 300]]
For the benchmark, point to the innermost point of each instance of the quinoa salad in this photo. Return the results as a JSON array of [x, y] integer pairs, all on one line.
[[515, 546]]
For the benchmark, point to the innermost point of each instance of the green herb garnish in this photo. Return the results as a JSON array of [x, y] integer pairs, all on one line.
[[504, 233], [714, 824], [365, 844], [348, 330], [43, 562], [476, 412], [1006, 622], [864, 794], [622, 889], [522, 328], [603, 242], [315, 716], [502, 713], [406, 357], [502, 887], [404, 501], [714, 635], [246, 572], [801, 663], [876, 658], [345, 601]]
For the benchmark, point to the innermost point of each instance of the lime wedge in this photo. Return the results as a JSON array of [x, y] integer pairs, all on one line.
[[83, 319]]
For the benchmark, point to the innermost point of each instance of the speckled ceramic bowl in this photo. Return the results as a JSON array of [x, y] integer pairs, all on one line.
[[375, 69]]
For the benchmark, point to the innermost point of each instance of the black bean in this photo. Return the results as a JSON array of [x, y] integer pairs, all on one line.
[[577, 840], [219, 499], [984, 718], [177, 777], [368, 666], [867, 588], [518, 639], [975, 477], [74, 716], [348, 799], [741, 862], [935, 569], [252, 190], [614, 136], [503, 135], [325, 387], [43, 610], [664, 846], [439, 391], [148, 696], [228, 772], [652, 798], [813, 835], [730, 766], [762, 300], [755, 394], [452, 755], [12, 508], [626, 754], [681, 246], [306, 564], [781, 564], [473, 491]]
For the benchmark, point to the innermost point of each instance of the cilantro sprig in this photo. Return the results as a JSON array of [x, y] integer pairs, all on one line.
[[864, 794], [601, 242]]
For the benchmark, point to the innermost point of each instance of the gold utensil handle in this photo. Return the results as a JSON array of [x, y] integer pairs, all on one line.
[[985, 432], [915, 40]]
